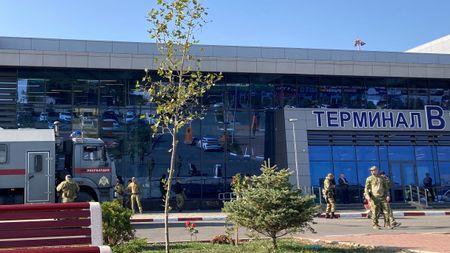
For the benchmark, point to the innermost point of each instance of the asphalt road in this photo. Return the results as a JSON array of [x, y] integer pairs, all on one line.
[[154, 232]]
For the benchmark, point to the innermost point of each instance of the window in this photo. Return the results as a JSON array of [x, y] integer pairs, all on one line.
[[319, 171], [319, 153], [424, 153], [401, 153], [91, 153], [3, 153], [367, 153], [38, 163], [344, 153]]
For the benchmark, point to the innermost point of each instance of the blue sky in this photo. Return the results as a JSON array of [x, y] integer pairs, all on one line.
[[385, 25]]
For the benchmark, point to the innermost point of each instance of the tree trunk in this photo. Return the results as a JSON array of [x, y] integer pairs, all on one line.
[[168, 188], [274, 242]]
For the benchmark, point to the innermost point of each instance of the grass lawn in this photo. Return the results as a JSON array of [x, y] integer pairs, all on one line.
[[259, 246]]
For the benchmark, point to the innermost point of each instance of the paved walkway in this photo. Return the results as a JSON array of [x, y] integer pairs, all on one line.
[[219, 216], [423, 231], [423, 242]]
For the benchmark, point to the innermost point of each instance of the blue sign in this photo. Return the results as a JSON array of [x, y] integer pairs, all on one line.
[[433, 118]]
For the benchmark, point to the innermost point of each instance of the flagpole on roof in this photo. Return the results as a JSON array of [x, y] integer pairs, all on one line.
[[359, 43]]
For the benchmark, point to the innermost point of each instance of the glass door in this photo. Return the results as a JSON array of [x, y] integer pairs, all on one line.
[[403, 179]]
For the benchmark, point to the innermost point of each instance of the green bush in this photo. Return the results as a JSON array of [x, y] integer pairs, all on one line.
[[117, 228], [270, 205]]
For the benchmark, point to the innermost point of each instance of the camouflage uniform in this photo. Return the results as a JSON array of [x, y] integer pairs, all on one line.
[[133, 188], [389, 220], [119, 191], [328, 193], [376, 191], [68, 189]]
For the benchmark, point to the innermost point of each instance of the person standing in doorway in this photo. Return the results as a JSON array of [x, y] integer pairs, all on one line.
[[343, 187], [135, 190], [428, 184], [68, 190], [329, 187]]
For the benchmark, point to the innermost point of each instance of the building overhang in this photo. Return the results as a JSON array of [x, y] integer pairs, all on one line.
[[87, 54]]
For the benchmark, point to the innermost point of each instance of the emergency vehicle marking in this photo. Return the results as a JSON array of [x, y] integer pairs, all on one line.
[[103, 181], [6, 172], [93, 170]]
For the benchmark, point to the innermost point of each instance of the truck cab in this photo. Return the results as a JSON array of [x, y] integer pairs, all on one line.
[[92, 169]]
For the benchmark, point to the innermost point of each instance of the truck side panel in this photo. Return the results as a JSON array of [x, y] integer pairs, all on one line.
[[29, 168]]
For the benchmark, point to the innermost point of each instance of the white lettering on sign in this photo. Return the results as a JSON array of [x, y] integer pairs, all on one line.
[[433, 116]]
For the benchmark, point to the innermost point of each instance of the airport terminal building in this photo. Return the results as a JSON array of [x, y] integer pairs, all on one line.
[[314, 111]]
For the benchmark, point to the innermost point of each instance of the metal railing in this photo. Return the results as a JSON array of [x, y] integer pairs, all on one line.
[[226, 196], [422, 195]]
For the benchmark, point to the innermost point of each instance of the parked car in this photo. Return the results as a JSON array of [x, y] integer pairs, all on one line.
[[209, 143], [110, 114], [130, 116], [88, 123], [110, 124], [43, 116], [65, 116]]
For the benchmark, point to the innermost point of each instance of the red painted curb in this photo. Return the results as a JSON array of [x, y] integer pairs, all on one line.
[[190, 219], [447, 213], [414, 214]]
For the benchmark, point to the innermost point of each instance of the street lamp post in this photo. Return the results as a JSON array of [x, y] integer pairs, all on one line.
[[293, 120]]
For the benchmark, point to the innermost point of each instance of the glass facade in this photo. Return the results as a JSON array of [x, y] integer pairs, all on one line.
[[405, 165], [105, 104]]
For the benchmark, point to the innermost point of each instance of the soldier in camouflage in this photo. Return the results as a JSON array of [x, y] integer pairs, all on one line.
[[119, 190], [377, 193], [391, 218], [68, 190], [329, 187], [135, 190]]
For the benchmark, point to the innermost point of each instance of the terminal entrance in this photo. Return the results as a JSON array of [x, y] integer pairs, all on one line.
[[406, 157], [403, 177]]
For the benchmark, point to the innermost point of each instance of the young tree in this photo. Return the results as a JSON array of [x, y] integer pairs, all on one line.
[[271, 206], [177, 92]]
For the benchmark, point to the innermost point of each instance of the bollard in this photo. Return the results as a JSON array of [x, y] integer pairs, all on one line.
[[410, 193], [418, 194], [320, 196]]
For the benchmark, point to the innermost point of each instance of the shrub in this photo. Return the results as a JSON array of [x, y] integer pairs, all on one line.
[[269, 205], [133, 246], [116, 223], [117, 230]]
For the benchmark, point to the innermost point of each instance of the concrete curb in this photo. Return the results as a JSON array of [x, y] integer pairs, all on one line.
[[339, 215], [396, 214], [179, 219], [361, 245]]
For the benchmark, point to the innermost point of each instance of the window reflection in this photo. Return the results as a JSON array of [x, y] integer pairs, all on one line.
[[423, 153], [319, 153], [319, 171], [106, 104], [367, 153], [346, 153], [401, 153]]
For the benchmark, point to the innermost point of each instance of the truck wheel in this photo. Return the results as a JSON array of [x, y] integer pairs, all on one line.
[[85, 197]]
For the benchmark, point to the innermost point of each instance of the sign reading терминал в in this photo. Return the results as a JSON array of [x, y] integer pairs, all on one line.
[[432, 118]]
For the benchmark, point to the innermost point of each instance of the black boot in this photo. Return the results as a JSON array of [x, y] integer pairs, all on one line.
[[327, 216], [333, 216]]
